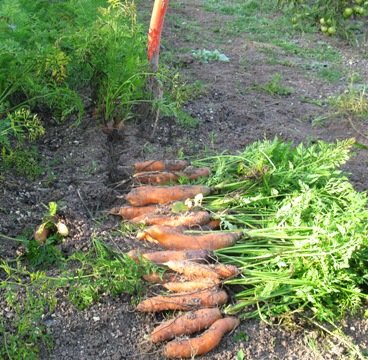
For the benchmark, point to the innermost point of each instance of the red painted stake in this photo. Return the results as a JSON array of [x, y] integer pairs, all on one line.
[[154, 34]]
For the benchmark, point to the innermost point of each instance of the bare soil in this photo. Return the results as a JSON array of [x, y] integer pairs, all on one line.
[[87, 171]]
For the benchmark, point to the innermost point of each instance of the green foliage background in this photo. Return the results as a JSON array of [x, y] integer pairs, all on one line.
[[53, 52]]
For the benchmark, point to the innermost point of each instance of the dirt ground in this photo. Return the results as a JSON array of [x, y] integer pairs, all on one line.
[[87, 171]]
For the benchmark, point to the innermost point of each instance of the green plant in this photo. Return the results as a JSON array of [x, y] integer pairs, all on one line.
[[330, 74], [175, 95], [274, 86], [30, 296], [354, 101], [104, 272], [240, 355], [304, 225], [22, 331], [23, 162], [331, 16], [50, 53], [114, 49], [20, 126], [208, 56]]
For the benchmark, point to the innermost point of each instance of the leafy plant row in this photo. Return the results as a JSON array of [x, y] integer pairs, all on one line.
[[346, 17], [55, 54]]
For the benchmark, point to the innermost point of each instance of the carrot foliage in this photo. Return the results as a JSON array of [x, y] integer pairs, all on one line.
[[305, 243]]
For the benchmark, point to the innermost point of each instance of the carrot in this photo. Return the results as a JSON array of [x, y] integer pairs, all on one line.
[[214, 224], [165, 177], [130, 212], [160, 165], [173, 239], [186, 324], [202, 344], [225, 271], [184, 301], [160, 257], [41, 233], [190, 286], [145, 195], [194, 173], [192, 270], [155, 177], [195, 218], [156, 278]]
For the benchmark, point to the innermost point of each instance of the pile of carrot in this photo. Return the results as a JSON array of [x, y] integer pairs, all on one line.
[[191, 275]]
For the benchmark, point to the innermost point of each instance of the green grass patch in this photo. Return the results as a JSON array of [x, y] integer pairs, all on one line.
[[354, 101], [275, 86], [331, 75]]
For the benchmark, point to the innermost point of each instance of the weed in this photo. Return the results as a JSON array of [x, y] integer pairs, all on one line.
[[23, 333], [241, 336], [30, 296], [149, 148], [353, 101], [274, 87], [177, 93], [240, 355], [330, 74], [24, 162], [104, 272], [206, 56]]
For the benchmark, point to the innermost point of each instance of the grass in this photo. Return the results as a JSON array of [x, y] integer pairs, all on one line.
[[264, 23], [353, 101], [331, 75]]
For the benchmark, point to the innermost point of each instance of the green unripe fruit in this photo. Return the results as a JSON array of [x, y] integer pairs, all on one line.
[[359, 10], [347, 12], [331, 30], [359, 2], [324, 29], [329, 22], [322, 21]]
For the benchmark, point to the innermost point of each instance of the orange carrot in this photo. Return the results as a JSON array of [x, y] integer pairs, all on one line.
[[130, 212], [160, 165], [186, 324], [173, 239], [184, 301], [155, 177], [190, 286], [202, 344], [145, 195], [156, 278], [160, 257], [194, 173], [41, 233], [192, 270], [225, 271], [165, 177], [214, 224], [195, 218]]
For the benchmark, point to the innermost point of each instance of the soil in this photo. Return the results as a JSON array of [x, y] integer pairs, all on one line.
[[87, 172]]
